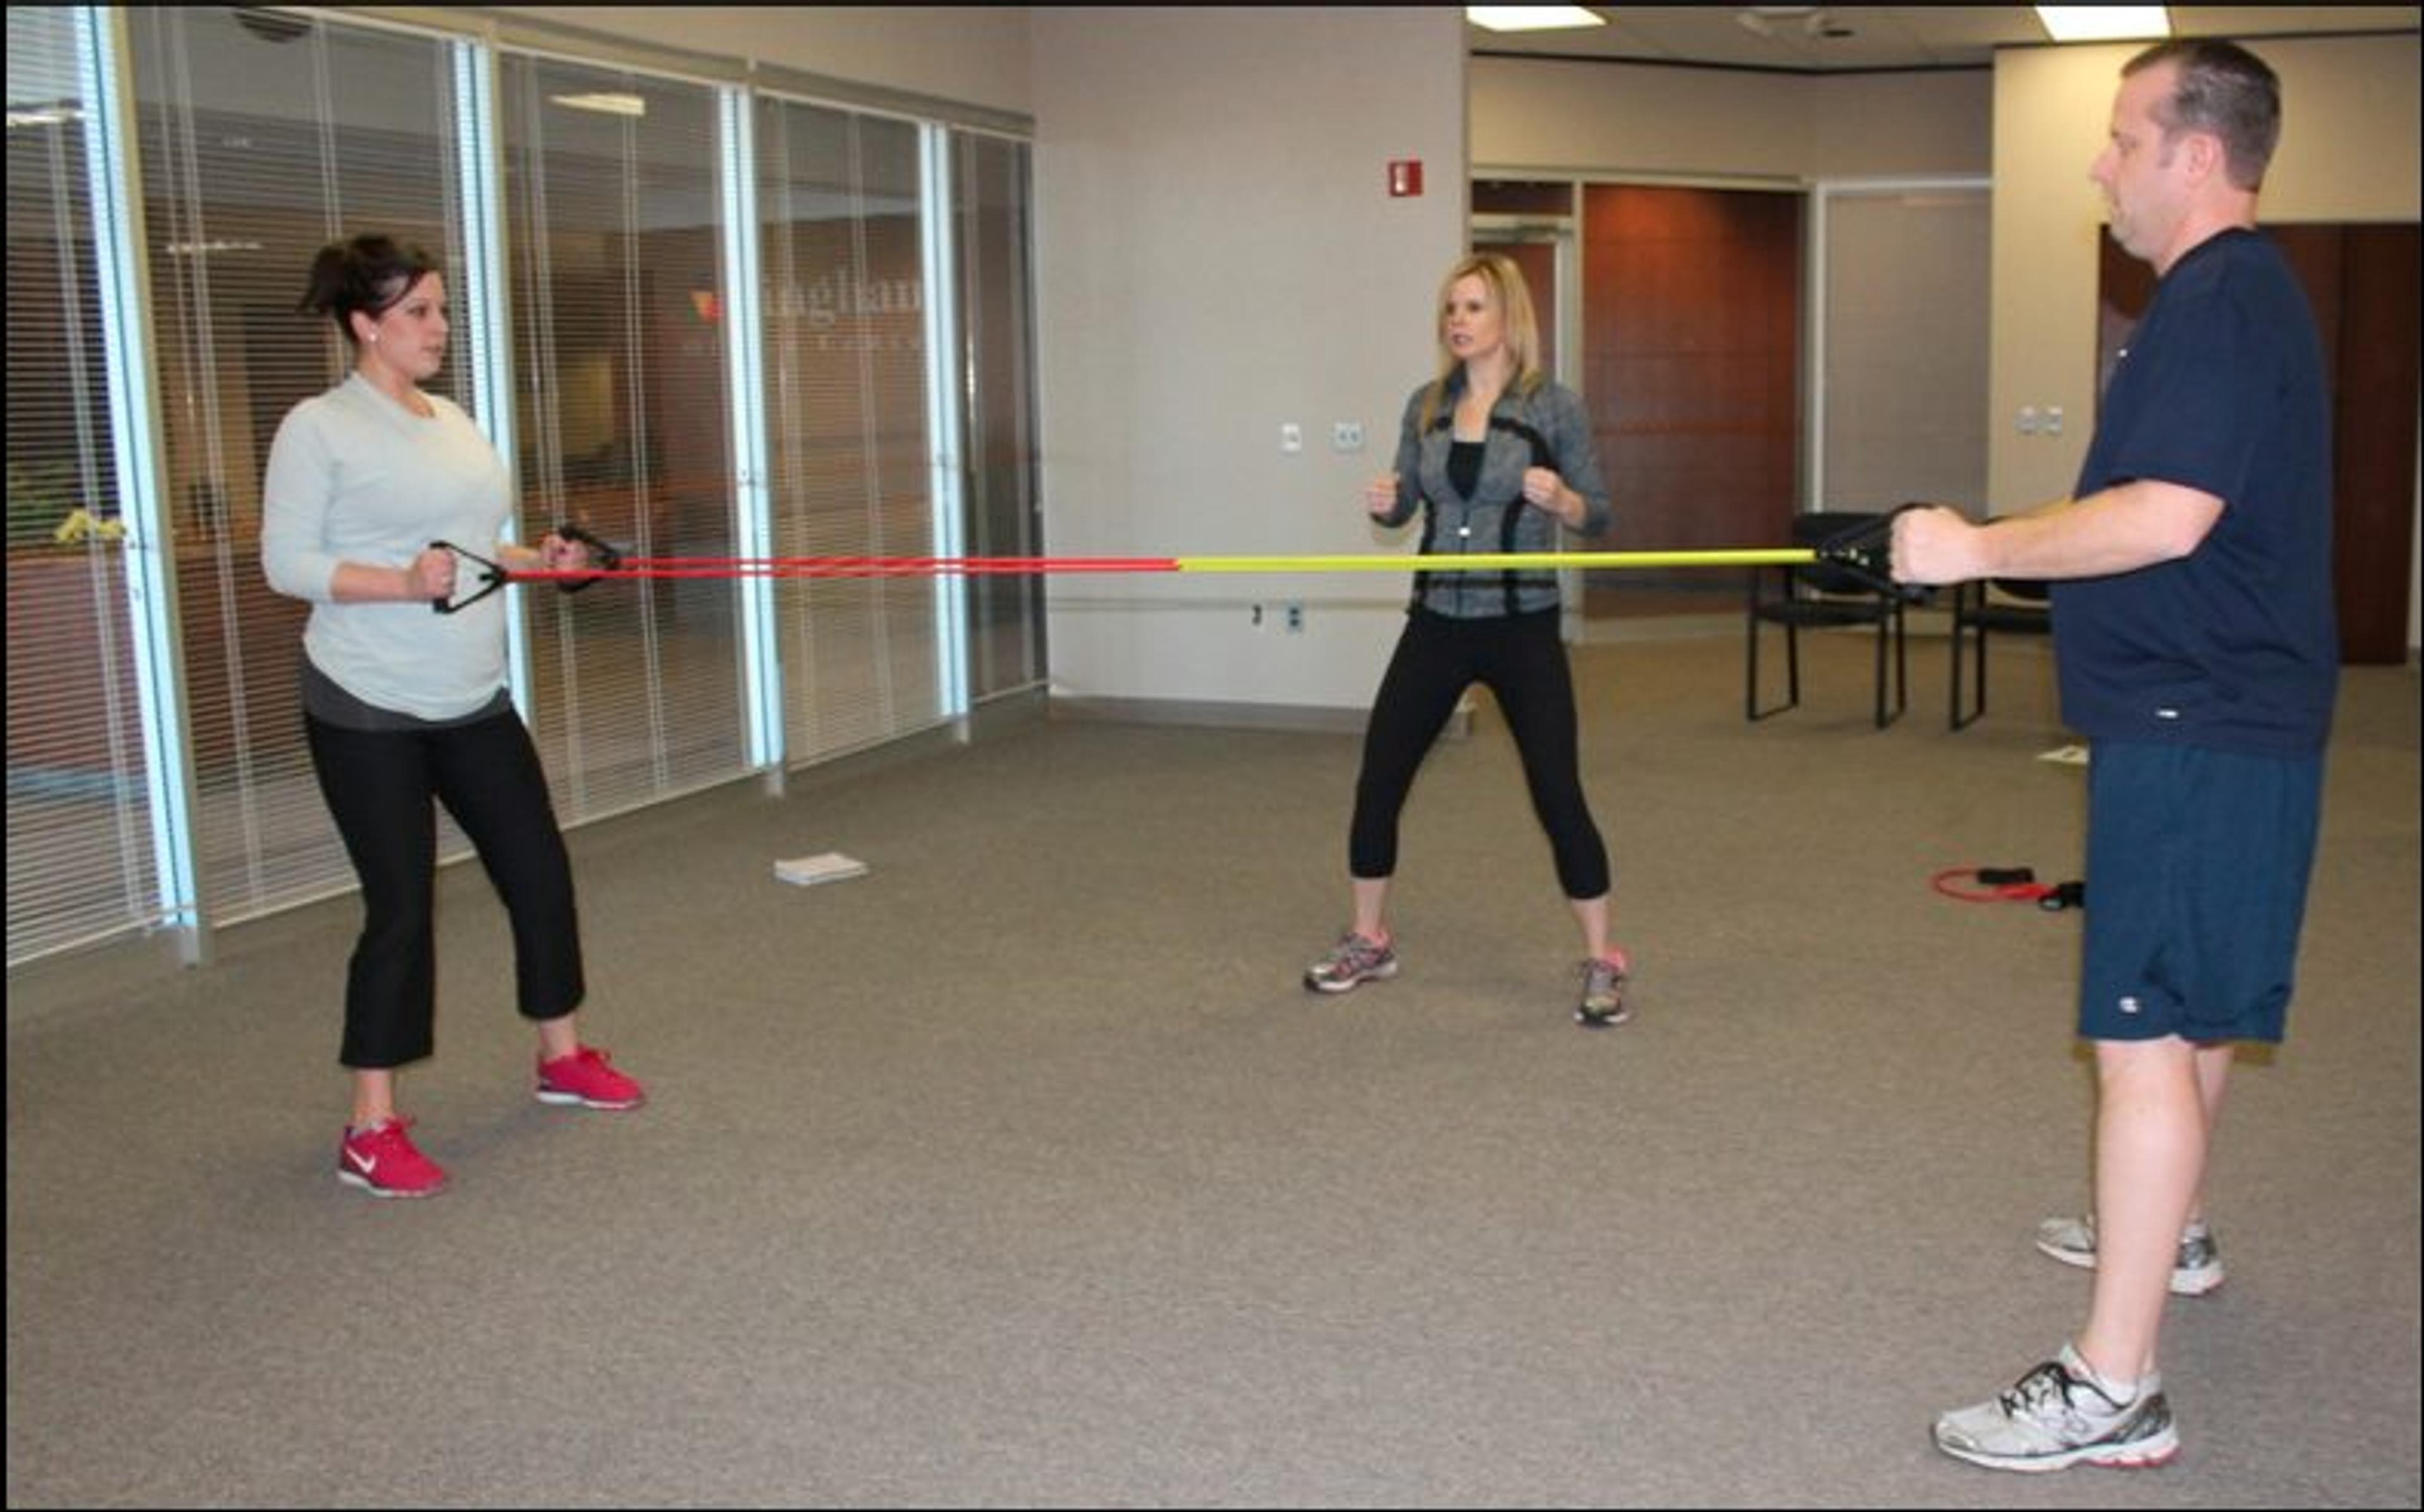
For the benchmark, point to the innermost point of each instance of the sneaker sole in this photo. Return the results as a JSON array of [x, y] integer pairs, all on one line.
[[556, 1099], [365, 1183], [2183, 1283], [1602, 1021], [1313, 984], [2151, 1454]]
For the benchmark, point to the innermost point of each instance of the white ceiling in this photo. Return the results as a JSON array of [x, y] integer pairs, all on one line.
[[1826, 39]]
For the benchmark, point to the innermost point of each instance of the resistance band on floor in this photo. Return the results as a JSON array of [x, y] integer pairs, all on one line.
[[2008, 884]]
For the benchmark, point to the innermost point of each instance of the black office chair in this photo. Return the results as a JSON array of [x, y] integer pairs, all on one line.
[[2007, 606], [1821, 596]]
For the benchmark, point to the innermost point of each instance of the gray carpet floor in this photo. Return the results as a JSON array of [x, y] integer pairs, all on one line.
[[1022, 1171]]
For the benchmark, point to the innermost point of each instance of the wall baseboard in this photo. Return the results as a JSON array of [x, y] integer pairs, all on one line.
[[1300, 718]]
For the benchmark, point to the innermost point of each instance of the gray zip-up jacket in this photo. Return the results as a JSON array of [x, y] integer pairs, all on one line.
[[1547, 428]]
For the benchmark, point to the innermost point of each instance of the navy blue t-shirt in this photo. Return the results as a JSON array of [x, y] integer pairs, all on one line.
[[2235, 646]]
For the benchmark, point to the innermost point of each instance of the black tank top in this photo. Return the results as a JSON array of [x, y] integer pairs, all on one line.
[[1465, 465]]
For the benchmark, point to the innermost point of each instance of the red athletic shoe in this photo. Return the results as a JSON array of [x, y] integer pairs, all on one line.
[[585, 1080], [381, 1161]]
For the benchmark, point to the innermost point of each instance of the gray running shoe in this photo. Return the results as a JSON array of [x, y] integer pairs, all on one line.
[[1602, 1004], [1352, 962], [2059, 1415], [2195, 1271]]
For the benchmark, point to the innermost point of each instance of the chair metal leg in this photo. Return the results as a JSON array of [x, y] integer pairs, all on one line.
[[1976, 651], [1792, 657], [1883, 624], [1902, 661], [1792, 674]]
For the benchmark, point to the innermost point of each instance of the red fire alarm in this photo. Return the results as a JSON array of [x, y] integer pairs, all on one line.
[[1404, 178]]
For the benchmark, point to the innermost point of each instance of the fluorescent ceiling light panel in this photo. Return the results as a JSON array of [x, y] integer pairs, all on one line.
[[2104, 24], [1532, 18]]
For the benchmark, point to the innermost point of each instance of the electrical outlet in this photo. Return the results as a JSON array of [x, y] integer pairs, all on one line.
[[1296, 619], [1347, 436]]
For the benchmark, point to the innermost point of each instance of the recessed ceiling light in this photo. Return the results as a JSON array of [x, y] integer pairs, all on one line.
[[2104, 24], [1532, 18]]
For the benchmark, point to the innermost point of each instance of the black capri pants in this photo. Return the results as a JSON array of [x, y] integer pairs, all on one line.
[[379, 785], [1520, 659]]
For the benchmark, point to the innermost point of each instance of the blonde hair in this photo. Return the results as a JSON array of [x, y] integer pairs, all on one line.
[[1499, 273]]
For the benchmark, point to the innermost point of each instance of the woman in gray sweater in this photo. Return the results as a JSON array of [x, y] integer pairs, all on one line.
[[403, 706], [1497, 457]]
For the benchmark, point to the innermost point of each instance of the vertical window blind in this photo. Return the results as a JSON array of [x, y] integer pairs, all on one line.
[[80, 862], [614, 235], [263, 136], [996, 357], [839, 206]]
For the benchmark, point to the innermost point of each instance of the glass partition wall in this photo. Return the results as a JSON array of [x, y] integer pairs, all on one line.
[[699, 315]]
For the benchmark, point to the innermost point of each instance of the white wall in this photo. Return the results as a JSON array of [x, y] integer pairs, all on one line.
[[1622, 119], [1217, 255]]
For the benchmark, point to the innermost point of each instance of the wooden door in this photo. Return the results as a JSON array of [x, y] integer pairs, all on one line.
[[1691, 359]]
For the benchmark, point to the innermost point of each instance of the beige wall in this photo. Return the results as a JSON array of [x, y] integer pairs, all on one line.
[[1622, 119], [1217, 255]]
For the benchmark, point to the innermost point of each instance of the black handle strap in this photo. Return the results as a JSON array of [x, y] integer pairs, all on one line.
[[1866, 552], [491, 576], [605, 558]]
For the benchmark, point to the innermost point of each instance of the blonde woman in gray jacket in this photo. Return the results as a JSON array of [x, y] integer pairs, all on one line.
[[1496, 457]]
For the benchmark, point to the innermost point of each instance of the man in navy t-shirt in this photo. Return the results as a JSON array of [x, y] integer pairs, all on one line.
[[2193, 632]]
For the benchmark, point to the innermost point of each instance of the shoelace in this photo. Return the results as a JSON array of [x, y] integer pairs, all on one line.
[[2038, 1387], [1354, 953]]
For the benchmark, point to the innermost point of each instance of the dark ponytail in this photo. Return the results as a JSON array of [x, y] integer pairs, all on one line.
[[370, 274]]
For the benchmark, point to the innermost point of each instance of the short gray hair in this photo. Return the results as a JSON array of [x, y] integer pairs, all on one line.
[[2223, 90]]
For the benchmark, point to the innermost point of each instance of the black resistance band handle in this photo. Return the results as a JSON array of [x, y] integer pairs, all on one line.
[[1866, 552], [602, 556], [492, 576]]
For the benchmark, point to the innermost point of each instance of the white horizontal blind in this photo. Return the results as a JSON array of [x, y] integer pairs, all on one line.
[[843, 283], [613, 233], [80, 852], [263, 136], [991, 216]]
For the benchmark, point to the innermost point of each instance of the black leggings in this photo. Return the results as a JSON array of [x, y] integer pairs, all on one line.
[[1520, 660], [379, 786]]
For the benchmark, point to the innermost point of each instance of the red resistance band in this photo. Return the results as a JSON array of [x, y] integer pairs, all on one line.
[[2008, 884]]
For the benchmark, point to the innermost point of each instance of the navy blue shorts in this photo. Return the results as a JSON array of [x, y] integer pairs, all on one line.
[[2198, 865]]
